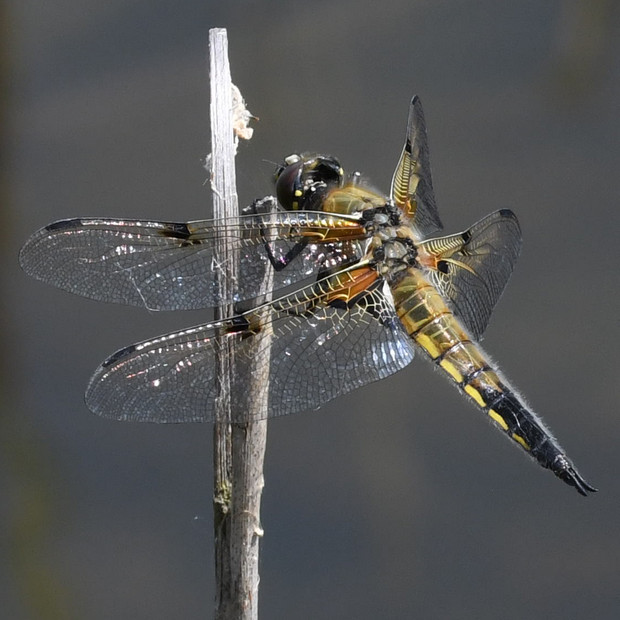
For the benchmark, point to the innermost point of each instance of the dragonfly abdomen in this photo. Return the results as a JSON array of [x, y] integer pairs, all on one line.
[[435, 329]]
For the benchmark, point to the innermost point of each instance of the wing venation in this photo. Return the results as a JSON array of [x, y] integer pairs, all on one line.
[[412, 184], [171, 266], [471, 268], [316, 353]]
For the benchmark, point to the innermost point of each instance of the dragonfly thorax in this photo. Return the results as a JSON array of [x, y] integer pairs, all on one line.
[[392, 247]]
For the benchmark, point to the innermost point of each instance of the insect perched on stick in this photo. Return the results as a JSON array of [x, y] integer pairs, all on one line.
[[361, 282]]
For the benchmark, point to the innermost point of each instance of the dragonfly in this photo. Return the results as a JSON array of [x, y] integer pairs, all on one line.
[[358, 283]]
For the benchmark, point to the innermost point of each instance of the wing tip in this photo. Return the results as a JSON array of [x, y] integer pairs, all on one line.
[[28, 257]]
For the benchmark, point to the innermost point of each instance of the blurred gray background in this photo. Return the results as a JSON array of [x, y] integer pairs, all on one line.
[[400, 500]]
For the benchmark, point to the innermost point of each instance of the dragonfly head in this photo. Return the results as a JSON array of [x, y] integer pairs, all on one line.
[[303, 181]]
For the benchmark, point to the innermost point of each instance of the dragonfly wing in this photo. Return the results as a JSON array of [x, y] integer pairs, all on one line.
[[472, 268], [412, 184], [174, 266], [315, 353]]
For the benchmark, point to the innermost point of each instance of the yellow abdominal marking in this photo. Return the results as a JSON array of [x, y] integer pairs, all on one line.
[[452, 370], [498, 418], [434, 328], [428, 344], [475, 394], [521, 441]]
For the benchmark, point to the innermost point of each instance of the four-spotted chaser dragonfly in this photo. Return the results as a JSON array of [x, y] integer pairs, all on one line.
[[363, 282]]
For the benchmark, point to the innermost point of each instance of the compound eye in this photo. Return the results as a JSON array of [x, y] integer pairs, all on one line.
[[327, 170], [303, 182], [289, 188]]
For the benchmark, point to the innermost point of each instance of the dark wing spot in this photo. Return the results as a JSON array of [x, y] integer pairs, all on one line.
[[442, 266], [176, 231], [63, 224], [119, 355]]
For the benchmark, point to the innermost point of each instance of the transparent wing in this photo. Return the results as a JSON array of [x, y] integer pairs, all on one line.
[[412, 184], [472, 268], [319, 350], [171, 266]]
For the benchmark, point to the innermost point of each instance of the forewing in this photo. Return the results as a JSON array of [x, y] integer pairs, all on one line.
[[315, 354], [472, 268], [173, 266], [412, 184]]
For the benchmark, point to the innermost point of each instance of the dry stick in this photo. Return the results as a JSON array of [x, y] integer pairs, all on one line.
[[238, 448]]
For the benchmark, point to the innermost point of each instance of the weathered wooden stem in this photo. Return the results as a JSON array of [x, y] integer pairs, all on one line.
[[238, 447]]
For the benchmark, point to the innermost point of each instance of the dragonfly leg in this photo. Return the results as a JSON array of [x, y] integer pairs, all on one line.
[[281, 262], [266, 205]]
